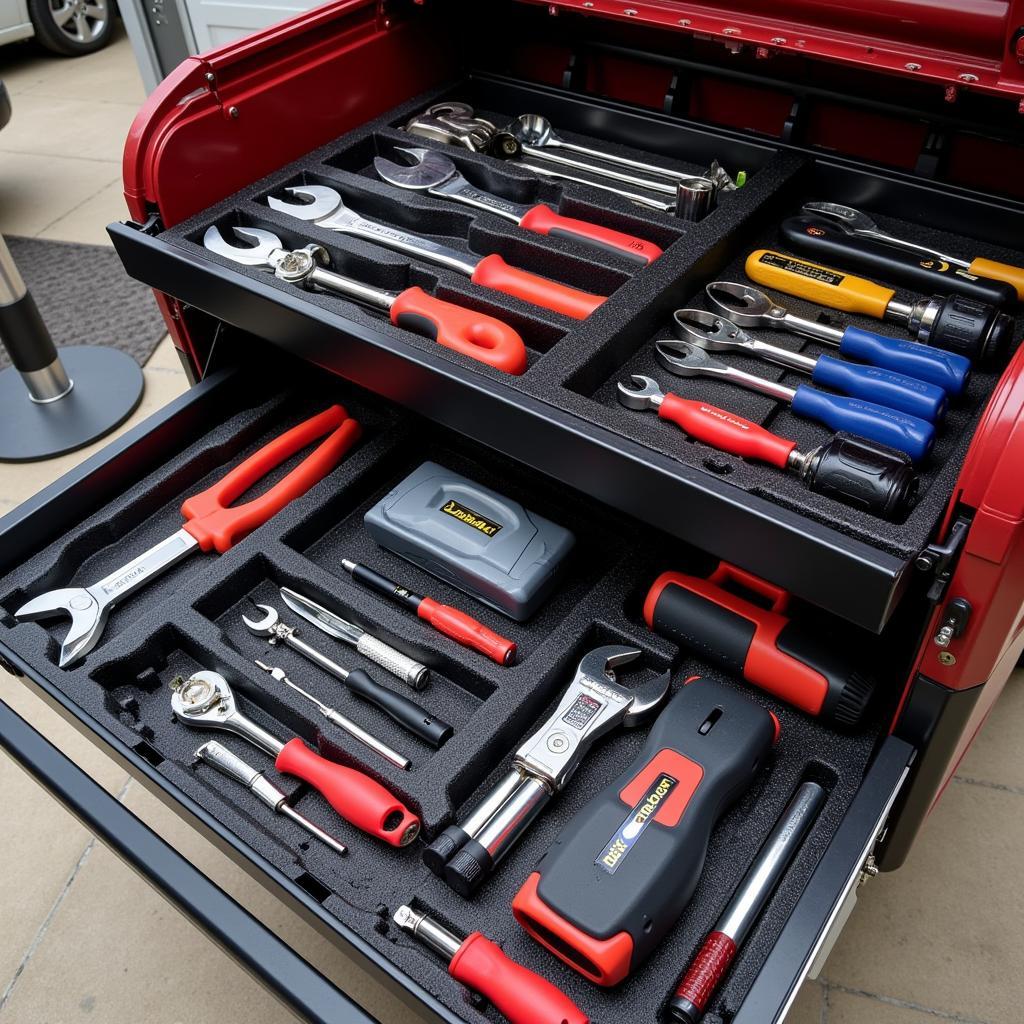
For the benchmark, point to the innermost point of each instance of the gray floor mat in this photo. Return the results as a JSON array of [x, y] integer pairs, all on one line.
[[86, 298]]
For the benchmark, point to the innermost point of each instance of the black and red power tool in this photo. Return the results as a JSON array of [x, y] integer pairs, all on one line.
[[762, 644], [622, 870]]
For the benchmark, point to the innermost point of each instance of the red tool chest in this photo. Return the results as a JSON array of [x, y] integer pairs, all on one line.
[[909, 111]]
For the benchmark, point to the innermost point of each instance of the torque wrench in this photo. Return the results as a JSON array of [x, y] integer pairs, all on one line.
[[206, 701], [444, 618], [847, 468], [714, 333], [886, 426], [231, 765], [592, 705], [955, 323], [472, 334], [715, 956], [404, 710], [621, 871], [764, 645], [327, 210], [340, 720], [398, 664], [819, 236], [750, 307], [518, 994], [210, 525], [858, 223], [437, 175]]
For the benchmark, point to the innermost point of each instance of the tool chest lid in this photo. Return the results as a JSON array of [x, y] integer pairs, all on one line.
[[979, 46]]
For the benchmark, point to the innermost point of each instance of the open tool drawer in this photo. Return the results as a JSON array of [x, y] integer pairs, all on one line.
[[313, 102]]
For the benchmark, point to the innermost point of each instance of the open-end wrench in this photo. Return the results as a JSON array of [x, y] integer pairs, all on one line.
[[886, 426], [592, 705], [932, 264], [751, 307], [714, 333], [205, 700], [476, 335], [436, 174], [849, 469], [326, 208], [210, 525]]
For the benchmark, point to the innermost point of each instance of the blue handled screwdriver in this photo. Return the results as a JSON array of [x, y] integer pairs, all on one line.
[[890, 427], [714, 333], [751, 307]]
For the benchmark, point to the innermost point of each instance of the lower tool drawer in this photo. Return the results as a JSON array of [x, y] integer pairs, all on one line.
[[190, 620]]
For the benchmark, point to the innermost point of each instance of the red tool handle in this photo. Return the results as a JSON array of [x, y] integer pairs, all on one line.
[[707, 970], [216, 526], [466, 630], [726, 432], [542, 220], [477, 335], [494, 273], [359, 799], [515, 992]]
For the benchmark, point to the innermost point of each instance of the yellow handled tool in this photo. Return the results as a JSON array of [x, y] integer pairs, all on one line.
[[955, 323]]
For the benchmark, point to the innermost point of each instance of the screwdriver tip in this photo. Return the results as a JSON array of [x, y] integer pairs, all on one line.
[[347, 564]]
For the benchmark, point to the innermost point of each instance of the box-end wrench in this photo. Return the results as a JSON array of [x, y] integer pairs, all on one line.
[[326, 209], [210, 525], [714, 333], [473, 334], [205, 700], [886, 426], [437, 175], [751, 307], [592, 705]]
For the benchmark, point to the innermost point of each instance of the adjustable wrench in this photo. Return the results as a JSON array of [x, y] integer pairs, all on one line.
[[473, 334], [437, 175], [714, 333], [209, 525], [327, 209], [205, 700], [592, 705], [886, 426]]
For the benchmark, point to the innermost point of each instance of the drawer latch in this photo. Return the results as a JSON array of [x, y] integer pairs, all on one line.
[[940, 559]]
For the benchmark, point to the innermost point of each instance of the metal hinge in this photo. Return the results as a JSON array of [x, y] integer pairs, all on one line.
[[940, 559]]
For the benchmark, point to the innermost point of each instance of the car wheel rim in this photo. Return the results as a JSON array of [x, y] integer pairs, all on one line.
[[80, 20]]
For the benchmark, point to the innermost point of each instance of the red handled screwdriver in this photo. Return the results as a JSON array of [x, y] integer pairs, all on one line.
[[520, 995], [716, 955], [462, 628]]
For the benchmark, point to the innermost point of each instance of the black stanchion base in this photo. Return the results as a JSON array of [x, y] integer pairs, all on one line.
[[108, 387]]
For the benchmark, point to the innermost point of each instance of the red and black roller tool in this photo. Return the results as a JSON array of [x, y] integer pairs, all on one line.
[[764, 645], [622, 870], [521, 996]]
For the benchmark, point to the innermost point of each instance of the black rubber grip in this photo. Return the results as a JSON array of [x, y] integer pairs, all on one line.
[[368, 577], [25, 336], [402, 709], [706, 628], [468, 869], [443, 848]]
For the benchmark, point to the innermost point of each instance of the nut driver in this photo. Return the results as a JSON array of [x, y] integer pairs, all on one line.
[[210, 525], [837, 412], [472, 334], [714, 333], [326, 208], [398, 664], [850, 469], [437, 175], [205, 700], [518, 994], [749, 307], [954, 322], [404, 710], [231, 765], [340, 720], [593, 704], [933, 265]]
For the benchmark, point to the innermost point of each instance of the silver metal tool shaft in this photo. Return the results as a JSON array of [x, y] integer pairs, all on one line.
[[341, 721], [430, 932], [231, 765]]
